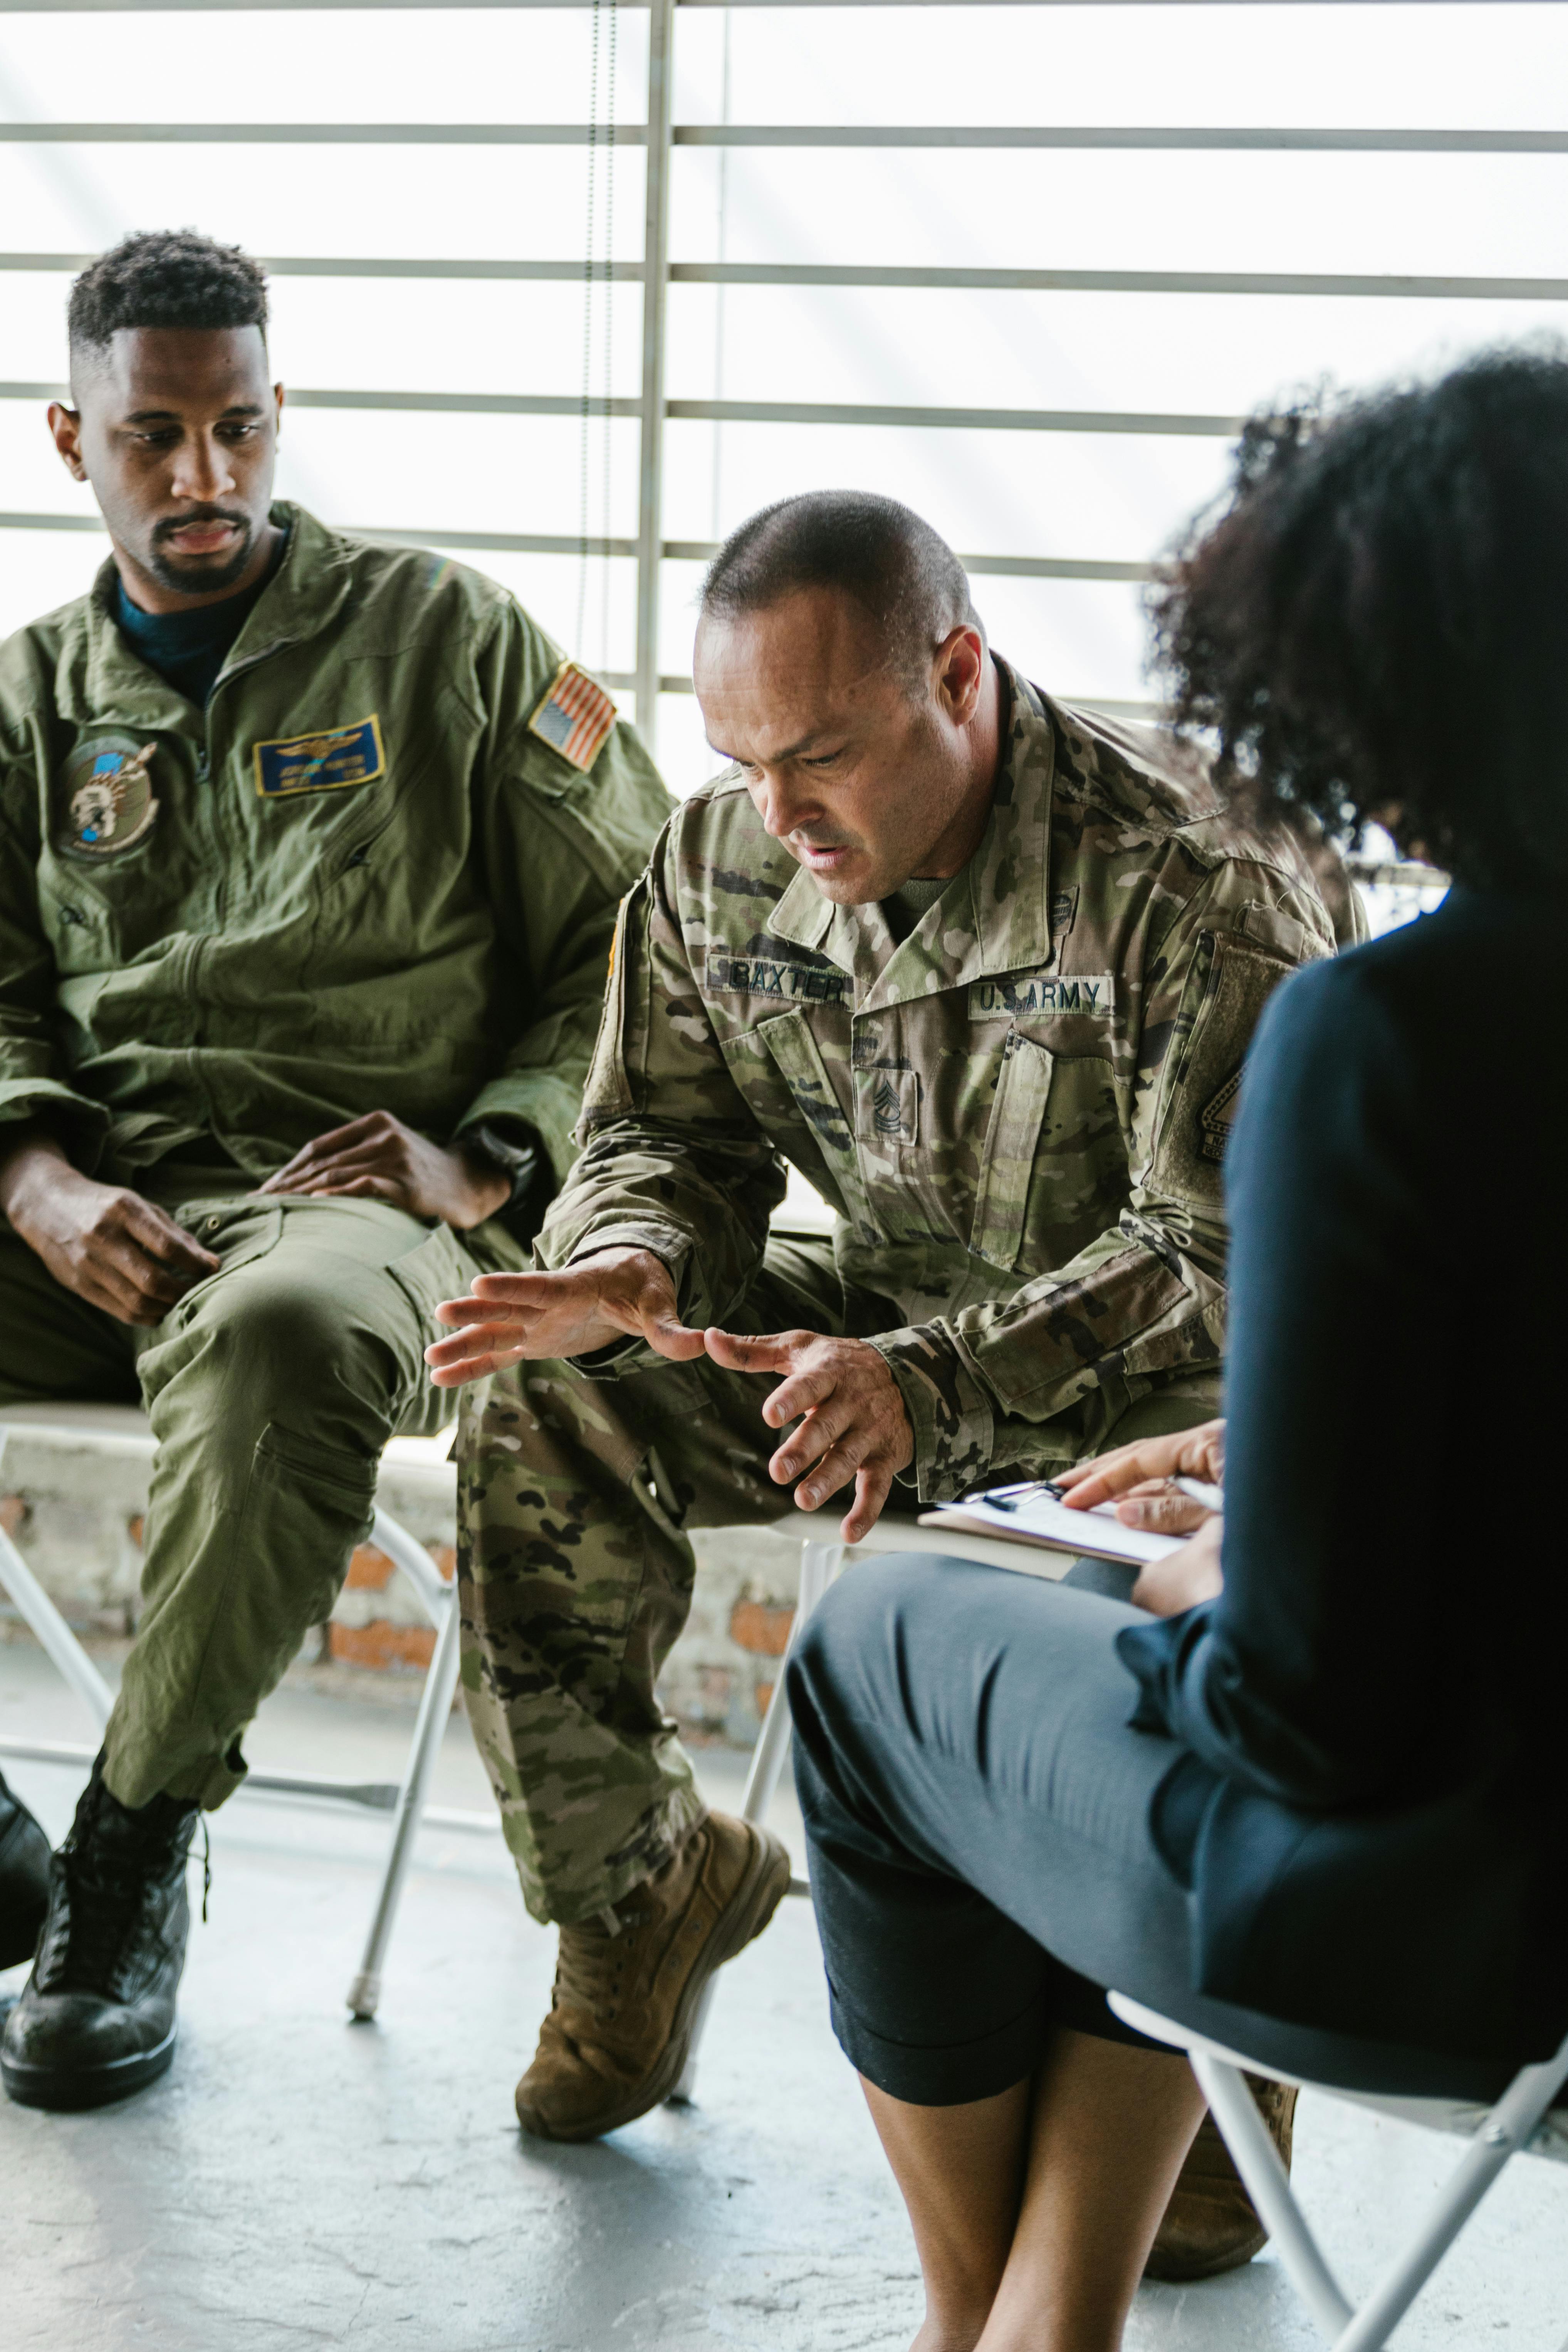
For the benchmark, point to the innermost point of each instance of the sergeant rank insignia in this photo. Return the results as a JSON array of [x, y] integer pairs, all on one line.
[[108, 795], [575, 716], [1217, 1118]]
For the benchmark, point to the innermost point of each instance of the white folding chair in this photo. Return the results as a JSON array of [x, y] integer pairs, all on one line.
[[124, 1429], [823, 1554], [1520, 2120]]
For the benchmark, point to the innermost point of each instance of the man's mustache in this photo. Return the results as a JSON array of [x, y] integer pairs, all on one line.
[[199, 516]]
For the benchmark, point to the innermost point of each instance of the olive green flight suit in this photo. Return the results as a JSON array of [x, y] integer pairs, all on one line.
[[379, 871]]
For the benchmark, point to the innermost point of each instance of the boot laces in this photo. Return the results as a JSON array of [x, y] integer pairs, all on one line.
[[105, 1904], [591, 1965], [107, 1884]]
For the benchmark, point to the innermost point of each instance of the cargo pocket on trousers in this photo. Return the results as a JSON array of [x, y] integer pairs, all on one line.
[[239, 1232], [306, 1507], [436, 1268]]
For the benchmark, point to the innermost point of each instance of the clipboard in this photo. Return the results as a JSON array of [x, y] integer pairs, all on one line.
[[1036, 1514]]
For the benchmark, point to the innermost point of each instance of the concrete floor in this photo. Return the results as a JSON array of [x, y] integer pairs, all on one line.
[[299, 2182]]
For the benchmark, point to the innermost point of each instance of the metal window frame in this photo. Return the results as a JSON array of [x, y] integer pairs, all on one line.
[[1386, 287], [143, 8], [1074, 138], [652, 408]]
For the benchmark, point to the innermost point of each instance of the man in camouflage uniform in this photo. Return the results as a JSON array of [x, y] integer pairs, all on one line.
[[309, 854], [983, 969]]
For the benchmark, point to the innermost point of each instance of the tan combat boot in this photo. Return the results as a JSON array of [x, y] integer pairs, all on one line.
[[1210, 2223], [615, 2042]]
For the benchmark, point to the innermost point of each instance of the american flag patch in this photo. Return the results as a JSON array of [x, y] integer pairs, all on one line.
[[575, 716]]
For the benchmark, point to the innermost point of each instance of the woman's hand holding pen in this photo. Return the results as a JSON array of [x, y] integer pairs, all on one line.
[[1152, 1486]]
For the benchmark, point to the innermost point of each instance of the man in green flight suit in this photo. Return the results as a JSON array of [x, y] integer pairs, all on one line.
[[984, 968], [309, 854]]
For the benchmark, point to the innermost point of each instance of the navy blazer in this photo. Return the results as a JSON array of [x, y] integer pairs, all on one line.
[[1369, 1811]]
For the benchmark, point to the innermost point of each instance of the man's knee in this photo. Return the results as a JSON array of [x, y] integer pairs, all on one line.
[[270, 1345], [278, 1319]]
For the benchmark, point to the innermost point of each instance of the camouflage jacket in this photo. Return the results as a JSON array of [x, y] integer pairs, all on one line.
[[1018, 1114]]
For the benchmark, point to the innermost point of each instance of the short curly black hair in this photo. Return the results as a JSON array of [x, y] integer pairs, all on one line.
[[1375, 627], [166, 277]]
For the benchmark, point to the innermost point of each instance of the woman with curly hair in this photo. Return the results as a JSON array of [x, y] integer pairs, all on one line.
[[1305, 1794]]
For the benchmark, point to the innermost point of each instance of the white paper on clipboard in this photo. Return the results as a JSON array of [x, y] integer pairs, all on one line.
[[1040, 1518]]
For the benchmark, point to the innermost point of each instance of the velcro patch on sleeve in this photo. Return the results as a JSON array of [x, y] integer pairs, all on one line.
[[1202, 1084], [1217, 1118], [575, 716]]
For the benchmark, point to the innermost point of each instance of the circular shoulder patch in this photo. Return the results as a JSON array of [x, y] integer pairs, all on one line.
[[106, 794]]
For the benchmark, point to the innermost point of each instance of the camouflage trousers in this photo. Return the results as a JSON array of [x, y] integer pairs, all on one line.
[[576, 1499]]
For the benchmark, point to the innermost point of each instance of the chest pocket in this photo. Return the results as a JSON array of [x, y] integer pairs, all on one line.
[[795, 1055], [1012, 1140]]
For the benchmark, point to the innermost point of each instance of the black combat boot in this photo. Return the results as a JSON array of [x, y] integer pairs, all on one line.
[[24, 1879], [96, 2019]]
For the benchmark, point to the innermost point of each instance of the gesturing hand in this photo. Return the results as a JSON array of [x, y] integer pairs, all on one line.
[[1138, 1479], [377, 1158], [853, 1425], [104, 1243], [509, 1316]]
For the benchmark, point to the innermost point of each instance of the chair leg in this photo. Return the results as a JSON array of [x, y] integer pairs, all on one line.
[[819, 1564], [409, 1554], [71, 1661], [1257, 2160], [1511, 2126], [38, 1612], [434, 1707]]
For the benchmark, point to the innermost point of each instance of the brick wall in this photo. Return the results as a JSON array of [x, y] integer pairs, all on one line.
[[722, 1672], [76, 1514]]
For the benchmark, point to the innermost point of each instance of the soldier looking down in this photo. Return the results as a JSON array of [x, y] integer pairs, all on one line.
[[984, 968], [309, 853]]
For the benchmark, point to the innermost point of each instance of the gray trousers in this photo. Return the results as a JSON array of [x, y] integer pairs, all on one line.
[[982, 1863]]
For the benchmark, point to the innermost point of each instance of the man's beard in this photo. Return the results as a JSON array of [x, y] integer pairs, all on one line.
[[183, 581]]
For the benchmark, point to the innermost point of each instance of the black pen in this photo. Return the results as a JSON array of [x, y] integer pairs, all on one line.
[[1007, 1498]]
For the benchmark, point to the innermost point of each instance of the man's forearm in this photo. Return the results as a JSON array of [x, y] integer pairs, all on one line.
[[701, 1207], [104, 1242], [1123, 1304], [31, 1158]]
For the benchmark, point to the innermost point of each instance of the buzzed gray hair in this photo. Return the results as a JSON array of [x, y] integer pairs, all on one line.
[[901, 572]]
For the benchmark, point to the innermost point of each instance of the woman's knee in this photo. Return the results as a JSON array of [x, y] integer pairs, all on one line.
[[846, 1659]]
